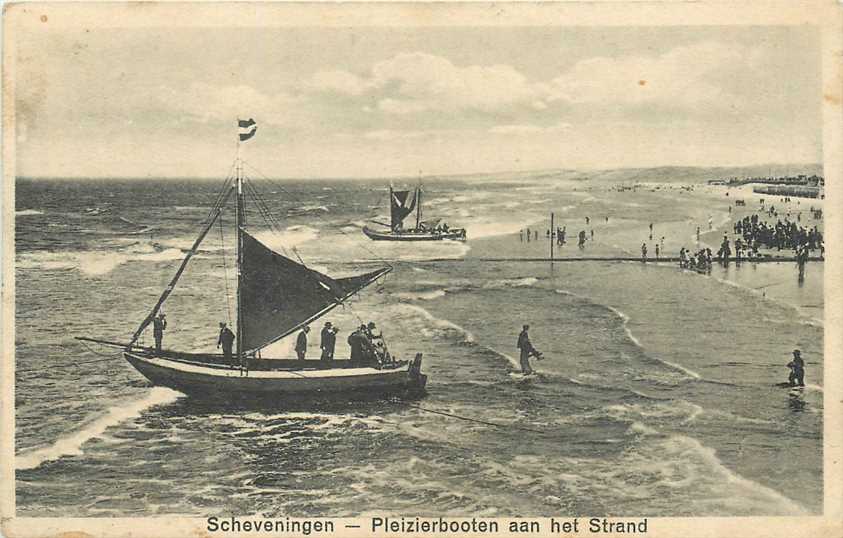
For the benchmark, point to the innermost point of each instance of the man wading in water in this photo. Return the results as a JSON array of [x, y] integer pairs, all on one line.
[[527, 350], [797, 370]]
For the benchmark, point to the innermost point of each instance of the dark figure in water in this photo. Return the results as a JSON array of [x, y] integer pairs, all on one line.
[[527, 350], [328, 341], [581, 242], [521, 235], [797, 370], [226, 340], [301, 343], [159, 323], [643, 252], [529, 234], [651, 231]]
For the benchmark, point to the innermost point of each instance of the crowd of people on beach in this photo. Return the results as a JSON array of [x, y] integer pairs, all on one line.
[[784, 234]]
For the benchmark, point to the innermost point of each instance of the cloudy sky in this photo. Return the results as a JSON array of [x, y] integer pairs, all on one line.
[[369, 102]]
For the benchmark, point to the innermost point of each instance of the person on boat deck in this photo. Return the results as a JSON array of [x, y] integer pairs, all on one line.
[[328, 341], [356, 343], [527, 350], [226, 340], [797, 370], [159, 323], [301, 342]]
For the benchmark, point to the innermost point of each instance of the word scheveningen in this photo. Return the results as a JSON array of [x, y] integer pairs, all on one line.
[[287, 525]]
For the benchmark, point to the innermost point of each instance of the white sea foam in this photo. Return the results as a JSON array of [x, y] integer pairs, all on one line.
[[291, 237], [71, 445], [440, 324], [421, 296], [28, 212]]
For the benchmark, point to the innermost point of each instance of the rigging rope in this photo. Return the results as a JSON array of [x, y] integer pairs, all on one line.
[[478, 421], [298, 199], [225, 272], [107, 358]]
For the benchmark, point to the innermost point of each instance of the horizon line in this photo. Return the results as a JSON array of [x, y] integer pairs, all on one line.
[[429, 177]]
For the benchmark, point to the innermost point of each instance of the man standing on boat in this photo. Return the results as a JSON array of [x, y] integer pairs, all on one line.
[[360, 345], [301, 342], [328, 341], [159, 323], [226, 340]]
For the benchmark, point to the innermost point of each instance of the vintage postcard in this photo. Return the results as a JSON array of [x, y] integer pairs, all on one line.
[[421, 269]]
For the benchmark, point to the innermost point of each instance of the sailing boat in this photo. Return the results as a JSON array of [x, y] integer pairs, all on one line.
[[400, 208], [276, 296]]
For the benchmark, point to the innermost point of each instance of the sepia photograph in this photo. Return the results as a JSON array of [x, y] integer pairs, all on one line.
[[433, 269]]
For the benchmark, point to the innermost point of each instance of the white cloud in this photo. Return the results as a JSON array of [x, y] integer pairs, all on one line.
[[418, 82], [338, 81], [523, 129], [389, 134], [206, 102], [687, 76]]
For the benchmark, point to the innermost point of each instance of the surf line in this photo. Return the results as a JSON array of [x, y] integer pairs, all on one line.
[[478, 421]]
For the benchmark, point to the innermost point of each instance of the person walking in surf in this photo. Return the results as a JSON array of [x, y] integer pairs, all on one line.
[[797, 370], [527, 350]]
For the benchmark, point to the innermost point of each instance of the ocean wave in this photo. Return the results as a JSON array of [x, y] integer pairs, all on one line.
[[303, 210], [681, 447], [439, 325], [632, 338], [807, 319], [421, 296], [291, 237], [94, 262], [28, 212], [71, 445]]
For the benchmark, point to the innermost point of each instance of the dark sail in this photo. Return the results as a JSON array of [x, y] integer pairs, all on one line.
[[279, 295], [399, 207]]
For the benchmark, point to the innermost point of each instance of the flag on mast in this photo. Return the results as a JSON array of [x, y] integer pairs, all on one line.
[[247, 128]]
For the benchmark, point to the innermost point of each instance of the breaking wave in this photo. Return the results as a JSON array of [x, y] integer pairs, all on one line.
[[71, 445]]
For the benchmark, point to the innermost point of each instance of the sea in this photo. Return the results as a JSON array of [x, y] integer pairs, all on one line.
[[656, 394]]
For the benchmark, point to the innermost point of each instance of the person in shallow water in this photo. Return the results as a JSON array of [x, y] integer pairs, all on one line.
[[527, 350], [301, 342], [226, 340], [797, 370], [159, 323], [328, 341]]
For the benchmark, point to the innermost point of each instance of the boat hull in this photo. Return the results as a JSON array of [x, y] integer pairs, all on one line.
[[452, 235], [214, 381]]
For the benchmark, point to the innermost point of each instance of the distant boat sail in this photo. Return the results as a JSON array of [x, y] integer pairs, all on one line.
[[276, 296], [401, 205]]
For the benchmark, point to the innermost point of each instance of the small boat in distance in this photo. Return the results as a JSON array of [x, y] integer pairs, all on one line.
[[400, 208], [276, 296]]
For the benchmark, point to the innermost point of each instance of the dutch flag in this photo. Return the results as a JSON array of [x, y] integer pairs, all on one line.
[[247, 128]]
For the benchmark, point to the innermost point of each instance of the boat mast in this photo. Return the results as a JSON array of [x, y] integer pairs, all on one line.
[[418, 206], [238, 224]]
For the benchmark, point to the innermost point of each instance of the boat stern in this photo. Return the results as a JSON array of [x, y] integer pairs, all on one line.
[[418, 380]]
